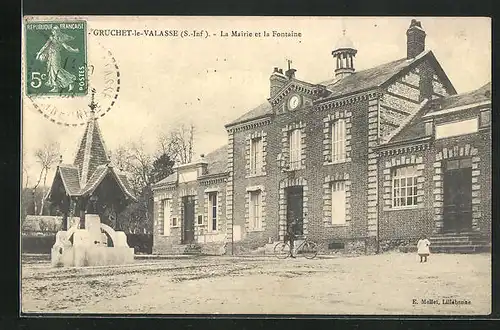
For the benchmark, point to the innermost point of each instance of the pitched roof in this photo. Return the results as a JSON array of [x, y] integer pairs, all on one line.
[[262, 110], [90, 167], [481, 94], [217, 161], [365, 79], [98, 176], [217, 164], [172, 178], [357, 82], [415, 129], [91, 151], [70, 178]]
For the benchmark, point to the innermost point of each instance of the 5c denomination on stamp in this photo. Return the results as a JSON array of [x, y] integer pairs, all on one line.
[[56, 58]]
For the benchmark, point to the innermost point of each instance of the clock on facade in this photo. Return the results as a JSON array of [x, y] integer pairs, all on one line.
[[293, 102]]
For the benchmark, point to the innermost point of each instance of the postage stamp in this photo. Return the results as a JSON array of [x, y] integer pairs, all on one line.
[[56, 58]]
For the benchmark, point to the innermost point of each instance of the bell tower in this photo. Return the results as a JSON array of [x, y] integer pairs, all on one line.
[[344, 54]]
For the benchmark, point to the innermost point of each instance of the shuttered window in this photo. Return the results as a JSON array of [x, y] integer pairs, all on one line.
[[338, 202]]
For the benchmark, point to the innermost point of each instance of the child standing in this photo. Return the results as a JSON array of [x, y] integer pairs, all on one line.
[[423, 248]]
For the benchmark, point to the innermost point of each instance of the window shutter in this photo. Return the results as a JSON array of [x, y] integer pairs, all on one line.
[[166, 216], [338, 203]]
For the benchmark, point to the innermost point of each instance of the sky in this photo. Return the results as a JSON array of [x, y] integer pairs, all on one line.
[[208, 82]]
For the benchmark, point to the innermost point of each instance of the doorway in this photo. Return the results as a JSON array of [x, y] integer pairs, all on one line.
[[294, 207], [188, 220], [457, 195]]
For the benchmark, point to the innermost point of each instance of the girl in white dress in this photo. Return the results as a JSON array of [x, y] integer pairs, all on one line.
[[423, 248]]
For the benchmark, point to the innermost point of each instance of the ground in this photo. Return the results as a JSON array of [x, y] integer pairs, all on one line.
[[379, 284]]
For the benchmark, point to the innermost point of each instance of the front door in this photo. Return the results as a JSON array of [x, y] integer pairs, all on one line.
[[294, 208], [188, 220], [458, 195]]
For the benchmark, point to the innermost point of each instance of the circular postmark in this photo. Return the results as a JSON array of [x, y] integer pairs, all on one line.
[[64, 99]]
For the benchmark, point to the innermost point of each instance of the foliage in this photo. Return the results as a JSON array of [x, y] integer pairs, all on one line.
[[29, 200], [145, 169], [37, 244], [178, 143]]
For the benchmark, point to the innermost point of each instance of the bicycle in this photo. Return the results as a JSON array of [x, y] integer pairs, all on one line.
[[307, 248]]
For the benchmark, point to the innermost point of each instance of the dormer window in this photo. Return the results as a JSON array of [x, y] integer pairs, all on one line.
[[485, 117]]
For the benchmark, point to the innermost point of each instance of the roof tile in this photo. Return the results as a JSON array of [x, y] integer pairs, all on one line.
[[354, 83]]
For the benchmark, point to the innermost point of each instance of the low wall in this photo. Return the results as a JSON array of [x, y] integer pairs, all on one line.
[[141, 243]]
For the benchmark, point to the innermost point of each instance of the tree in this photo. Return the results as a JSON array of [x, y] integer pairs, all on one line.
[[46, 156], [144, 169], [26, 169], [178, 143], [162, 167]]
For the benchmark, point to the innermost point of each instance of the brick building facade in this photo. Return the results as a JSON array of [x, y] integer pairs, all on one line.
[[333, 156]]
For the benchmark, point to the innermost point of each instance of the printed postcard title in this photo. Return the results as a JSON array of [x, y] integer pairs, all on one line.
[[167, 33]]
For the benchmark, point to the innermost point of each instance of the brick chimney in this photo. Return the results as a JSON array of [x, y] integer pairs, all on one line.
[[277, 80], [415, 39], [290, 73]]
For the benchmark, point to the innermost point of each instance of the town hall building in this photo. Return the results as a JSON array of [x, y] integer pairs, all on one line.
[[365, 162]]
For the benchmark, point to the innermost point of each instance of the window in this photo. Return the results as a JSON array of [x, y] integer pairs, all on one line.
[[174, 222], [212, 211], [485, 117], [404, 186], [256, 156], [167, 212], [200, 219], [338, 202], [428, 128], [255, 210], [338, 140], [456, 128], [456, 164], [295, 149]]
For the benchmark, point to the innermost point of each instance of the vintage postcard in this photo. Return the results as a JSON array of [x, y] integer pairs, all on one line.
[[256, 165]]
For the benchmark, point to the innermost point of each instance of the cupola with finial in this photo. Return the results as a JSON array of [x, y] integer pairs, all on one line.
[[344, 53]]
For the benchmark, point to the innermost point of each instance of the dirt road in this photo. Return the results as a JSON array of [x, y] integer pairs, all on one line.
[[381, 284]]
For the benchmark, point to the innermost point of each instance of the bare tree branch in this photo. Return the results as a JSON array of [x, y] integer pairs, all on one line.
[[46, 156]]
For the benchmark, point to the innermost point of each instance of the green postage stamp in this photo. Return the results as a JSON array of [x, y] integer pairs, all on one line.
[[56, 58]]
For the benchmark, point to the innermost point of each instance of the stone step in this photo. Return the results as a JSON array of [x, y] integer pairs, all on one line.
[[451, 249], [438, 239], [468, 233], [459, 243]]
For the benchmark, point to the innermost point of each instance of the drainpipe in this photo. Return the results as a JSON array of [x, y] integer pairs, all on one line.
[[378, 222], [232, 234]]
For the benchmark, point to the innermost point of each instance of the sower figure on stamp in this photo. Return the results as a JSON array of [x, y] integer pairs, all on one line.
[[292, 225], [423, 248], [57, 76]]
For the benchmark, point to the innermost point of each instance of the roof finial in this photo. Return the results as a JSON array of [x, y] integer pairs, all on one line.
[[93, 105], [289, 63], [60, 159]]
